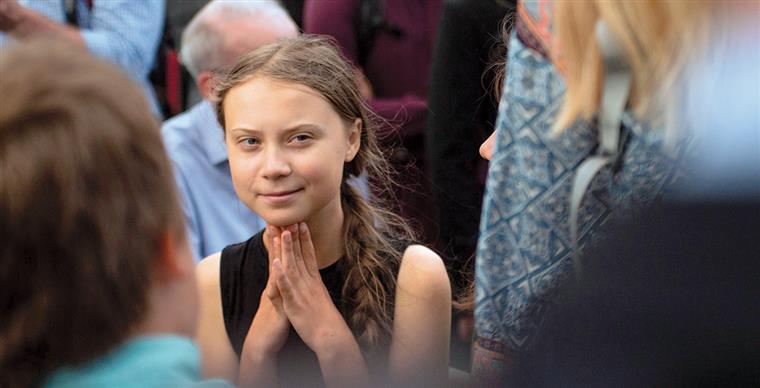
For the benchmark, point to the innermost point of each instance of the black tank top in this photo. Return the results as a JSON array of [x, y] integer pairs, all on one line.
[[243, 275]]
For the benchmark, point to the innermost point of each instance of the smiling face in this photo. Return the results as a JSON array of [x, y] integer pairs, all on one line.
[[287, 147]]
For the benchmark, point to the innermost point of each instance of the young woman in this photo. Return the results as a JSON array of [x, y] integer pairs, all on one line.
[[332, 290]]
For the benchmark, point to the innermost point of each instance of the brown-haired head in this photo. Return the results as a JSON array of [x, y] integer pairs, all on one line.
[[312, 61], [370, 231], [86, 193]]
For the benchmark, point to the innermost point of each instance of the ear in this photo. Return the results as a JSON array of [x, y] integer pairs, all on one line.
[[203, 82], [173, 258], [354, 139]]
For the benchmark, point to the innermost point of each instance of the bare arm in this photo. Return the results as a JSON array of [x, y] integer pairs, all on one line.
[[419, 352], [217, 356], [315, 318]]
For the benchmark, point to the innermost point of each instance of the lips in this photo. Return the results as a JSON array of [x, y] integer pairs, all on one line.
[[280, 197]]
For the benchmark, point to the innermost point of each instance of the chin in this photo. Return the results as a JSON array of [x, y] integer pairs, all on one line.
[[281, 218]]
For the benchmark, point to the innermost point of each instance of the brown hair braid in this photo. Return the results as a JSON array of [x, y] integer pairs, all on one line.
[[370, 233]]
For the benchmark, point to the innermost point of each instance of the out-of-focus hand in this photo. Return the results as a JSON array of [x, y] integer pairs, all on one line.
[[10, 14]]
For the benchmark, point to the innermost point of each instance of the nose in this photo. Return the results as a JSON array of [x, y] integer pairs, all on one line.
[[486, 149], [275, 165]]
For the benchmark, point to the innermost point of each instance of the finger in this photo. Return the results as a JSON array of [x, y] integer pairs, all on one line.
[[288, 257], [273, 293], [271, 233], [297, 248], [307, 249], [296, 241], [283, 283], [273, 255]]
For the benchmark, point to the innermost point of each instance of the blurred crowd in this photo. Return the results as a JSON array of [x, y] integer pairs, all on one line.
[[379, 193]]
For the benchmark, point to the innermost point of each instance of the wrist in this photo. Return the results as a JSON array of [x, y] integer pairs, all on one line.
[[334, 342], [257, 354]]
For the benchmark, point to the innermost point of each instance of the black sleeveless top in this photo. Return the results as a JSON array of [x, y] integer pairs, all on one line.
[[243, 275]]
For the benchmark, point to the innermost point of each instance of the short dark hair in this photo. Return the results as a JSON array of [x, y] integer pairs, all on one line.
[[86, 195]]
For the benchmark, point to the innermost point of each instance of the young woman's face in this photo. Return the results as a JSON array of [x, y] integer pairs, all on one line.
[[287, 147]]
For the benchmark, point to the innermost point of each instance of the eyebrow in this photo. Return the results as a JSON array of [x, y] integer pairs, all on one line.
[[288, 131]]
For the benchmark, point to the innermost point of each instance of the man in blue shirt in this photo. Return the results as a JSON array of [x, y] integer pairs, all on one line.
[[125, 32], [214, 39]]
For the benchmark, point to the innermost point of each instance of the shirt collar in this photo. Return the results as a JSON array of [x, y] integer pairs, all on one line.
[[210, 133]]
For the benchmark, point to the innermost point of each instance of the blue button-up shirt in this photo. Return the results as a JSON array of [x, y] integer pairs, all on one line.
[[125, 32], [215, 216]]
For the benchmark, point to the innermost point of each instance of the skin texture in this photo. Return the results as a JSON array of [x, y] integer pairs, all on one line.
[[486, 149], [286, 138]]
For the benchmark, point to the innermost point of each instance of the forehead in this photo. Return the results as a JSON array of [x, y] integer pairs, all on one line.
[[262, 103]]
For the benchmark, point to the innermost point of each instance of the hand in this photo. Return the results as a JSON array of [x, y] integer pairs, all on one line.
[[10, 14], [305, 298], [270, 327]]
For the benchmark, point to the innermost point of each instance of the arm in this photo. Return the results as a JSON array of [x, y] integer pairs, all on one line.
[[217, 356], [269, 329], [23, 23], [419, 352], [126, 32]]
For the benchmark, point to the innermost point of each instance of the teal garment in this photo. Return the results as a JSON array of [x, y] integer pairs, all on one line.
[[157, 361]]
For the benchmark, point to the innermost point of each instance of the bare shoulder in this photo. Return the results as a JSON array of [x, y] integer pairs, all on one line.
[[207, 272], [422, 272], [217, 356]]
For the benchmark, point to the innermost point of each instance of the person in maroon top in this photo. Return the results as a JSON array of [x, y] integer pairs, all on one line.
[[392, 43]]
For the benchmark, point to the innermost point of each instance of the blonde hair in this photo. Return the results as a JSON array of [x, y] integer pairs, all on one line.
[[658, 38]]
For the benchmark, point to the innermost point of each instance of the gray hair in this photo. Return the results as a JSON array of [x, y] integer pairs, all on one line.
[[203, 40]]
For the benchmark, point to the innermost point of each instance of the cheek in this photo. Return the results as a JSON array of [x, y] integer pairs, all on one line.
[[242, 172], [324, 171]]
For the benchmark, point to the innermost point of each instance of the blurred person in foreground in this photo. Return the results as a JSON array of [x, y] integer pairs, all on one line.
[[124, 32], [548, 127], [220, 33], [670, 298], [98, 278]]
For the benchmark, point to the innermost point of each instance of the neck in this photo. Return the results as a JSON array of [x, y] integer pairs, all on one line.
[[327, 234], [171, 310]]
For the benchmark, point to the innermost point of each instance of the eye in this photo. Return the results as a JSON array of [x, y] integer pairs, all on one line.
[[248, 142], [301, 138]]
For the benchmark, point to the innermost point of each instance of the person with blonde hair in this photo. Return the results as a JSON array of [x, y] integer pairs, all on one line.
[[556, 176]]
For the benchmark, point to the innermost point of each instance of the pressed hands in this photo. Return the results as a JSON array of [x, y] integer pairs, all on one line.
[[295, 295]]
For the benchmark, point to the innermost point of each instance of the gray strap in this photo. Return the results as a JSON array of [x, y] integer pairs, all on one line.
[[617, 82]]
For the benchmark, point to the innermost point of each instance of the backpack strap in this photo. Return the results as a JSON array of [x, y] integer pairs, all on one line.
[[616, 88]]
